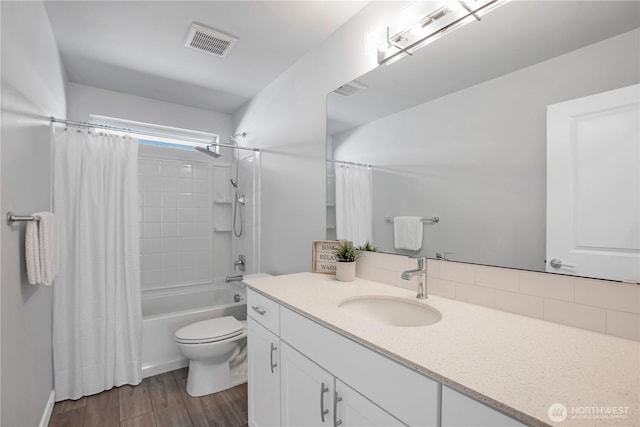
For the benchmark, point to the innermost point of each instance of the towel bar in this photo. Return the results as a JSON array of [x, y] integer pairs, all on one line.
[[425, 220], [11, 218]]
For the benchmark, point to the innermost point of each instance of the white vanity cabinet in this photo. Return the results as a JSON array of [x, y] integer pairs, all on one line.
[[263, 346], [353, 409], [307, 391], [304, 374], [407, 395], [312, 396], [459, 410]]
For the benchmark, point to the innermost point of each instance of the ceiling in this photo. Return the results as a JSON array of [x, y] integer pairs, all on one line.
[[137, 47], [516, 35]]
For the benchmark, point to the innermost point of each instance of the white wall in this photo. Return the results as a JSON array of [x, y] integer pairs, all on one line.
[[32, 90], [82, 101], [476, 158], [287, 121]]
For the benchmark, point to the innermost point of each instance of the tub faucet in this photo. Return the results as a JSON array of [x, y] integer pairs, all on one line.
[[237, 278], [420, 272]]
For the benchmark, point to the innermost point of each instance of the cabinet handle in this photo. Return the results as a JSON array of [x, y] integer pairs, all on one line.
[[323, 412], [336, 399], [257, 309], [273, 365]]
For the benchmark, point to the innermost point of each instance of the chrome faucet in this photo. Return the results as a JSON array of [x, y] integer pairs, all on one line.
[[237, 278], [420, 272], [240, 262]]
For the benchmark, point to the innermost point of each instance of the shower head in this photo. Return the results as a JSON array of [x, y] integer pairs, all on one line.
[[234, 183], [206, 150], [232, 139]]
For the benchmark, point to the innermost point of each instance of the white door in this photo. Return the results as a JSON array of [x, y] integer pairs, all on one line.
[[353, 409], [593, 185], [307, 391], [264, 376]]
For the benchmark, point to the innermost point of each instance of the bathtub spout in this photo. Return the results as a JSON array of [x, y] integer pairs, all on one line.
[[237, 278]]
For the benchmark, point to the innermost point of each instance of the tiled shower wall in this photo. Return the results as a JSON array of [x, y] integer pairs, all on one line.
[[603, 306], [178, 239]]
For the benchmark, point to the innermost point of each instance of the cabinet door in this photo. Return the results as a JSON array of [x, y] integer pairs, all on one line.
[[307, 391], [459, 410], [264, 376], [353, 409]]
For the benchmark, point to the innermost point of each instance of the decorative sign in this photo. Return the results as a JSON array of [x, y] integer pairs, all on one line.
[[323, 259]]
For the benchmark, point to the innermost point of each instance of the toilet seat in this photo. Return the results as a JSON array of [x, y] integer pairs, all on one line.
[[212, 330]]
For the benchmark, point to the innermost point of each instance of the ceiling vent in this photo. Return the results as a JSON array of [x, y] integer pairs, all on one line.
[[350, 89], [210, 41]]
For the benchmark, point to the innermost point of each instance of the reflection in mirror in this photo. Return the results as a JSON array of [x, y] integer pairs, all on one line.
[[460, 130]]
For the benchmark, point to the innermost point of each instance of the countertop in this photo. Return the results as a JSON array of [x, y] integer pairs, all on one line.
[[518, 365]]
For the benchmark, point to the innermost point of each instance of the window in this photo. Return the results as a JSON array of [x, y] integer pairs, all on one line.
[[158, 135]]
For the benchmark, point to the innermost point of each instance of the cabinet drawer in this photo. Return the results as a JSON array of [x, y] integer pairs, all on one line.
[[264, 311], [407, 395]]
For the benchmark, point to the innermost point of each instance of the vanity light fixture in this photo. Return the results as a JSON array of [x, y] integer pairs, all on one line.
[[444, 17]]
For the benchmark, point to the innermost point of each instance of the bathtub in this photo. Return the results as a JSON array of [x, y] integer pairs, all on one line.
[[166, 311]]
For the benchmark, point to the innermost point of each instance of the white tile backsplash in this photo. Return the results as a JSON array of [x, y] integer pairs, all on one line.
[[597, 305], [616, 296], [441, 287], [478, 295], [458, 272], [623, 325], [580, 316], [547, 285], [498, 278], [517, 303]]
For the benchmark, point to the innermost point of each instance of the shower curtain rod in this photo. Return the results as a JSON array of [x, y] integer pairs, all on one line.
[[344, 162], [119, 129]]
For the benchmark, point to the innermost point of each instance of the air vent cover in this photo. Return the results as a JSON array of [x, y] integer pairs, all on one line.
[[350, 89], [210, 41]]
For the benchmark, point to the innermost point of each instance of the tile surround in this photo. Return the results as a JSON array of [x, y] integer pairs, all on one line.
[[176, 217], [602, 306]]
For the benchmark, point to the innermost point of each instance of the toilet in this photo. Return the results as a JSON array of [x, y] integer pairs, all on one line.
[[212, 346]]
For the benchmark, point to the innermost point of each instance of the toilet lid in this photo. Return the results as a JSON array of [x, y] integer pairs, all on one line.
[[209, 330]]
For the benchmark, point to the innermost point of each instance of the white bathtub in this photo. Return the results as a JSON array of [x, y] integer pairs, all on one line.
[[166, 311]]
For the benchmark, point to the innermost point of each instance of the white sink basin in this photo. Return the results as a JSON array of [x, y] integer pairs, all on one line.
[[391, 311]]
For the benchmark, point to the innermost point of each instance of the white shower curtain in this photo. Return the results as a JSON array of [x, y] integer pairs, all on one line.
[[354, 203], [97, 315]]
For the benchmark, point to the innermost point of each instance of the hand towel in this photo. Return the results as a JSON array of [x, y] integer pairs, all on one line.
[[48, 241], [32, 253], [407, 232]]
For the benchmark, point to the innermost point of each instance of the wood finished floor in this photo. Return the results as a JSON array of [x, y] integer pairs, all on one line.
[[159, 401]]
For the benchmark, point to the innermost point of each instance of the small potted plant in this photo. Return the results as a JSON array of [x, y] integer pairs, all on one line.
[[346, 256], [367, 247]]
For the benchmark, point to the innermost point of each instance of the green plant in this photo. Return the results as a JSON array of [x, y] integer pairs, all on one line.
[[346, 252], [367, 247]]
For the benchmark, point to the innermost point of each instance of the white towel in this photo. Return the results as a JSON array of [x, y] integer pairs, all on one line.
[[407, 232], [48, 241], [32, 253]]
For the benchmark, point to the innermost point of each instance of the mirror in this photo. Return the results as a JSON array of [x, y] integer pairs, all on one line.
[[459, 129]]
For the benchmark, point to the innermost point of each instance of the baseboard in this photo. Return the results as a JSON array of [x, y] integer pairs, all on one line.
[[48, 410], [151, 370]]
